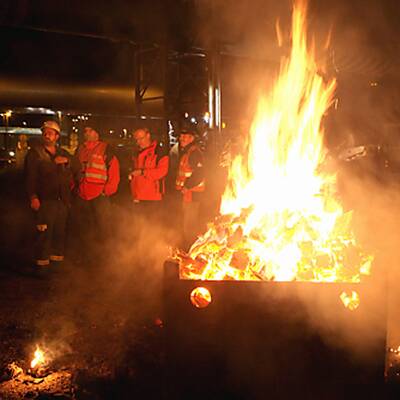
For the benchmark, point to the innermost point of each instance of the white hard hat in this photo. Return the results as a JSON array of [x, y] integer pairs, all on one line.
[[51, 125]]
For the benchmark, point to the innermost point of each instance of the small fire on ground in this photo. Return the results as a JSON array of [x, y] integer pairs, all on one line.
[[38, 359], [38, 378], [280, 217]]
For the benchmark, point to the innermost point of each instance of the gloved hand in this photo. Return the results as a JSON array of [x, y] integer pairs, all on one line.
[[61, 160], [35, 204], [109, 190], [136, 172]]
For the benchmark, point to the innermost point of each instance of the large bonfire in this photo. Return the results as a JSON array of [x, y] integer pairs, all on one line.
[[279, 216]]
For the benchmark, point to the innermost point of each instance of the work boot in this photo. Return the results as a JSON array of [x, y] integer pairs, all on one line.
[[57, 262], [41, 268], [42, 263], [56, 258]]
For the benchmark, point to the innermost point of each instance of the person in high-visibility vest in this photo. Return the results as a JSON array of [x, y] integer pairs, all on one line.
[[147, 180], [190, 182], [150, 167], [97, 178]]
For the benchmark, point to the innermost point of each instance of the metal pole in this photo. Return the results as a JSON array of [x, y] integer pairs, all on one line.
[[138, 81], [6, 117], [214, 79]]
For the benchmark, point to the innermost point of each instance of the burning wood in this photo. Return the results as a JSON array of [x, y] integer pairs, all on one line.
[[280, 218], [10, 372], [19, 384], [38, 379]]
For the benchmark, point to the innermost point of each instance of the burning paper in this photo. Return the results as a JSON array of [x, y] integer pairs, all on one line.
[[280, 218]]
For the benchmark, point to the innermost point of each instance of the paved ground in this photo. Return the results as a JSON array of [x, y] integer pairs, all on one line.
[[98, 316]]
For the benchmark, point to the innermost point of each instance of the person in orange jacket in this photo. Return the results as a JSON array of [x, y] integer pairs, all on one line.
[[97, 177], [190, 183], [147, 179]]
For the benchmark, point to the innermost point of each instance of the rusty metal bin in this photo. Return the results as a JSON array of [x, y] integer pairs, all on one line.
[[272, 339]]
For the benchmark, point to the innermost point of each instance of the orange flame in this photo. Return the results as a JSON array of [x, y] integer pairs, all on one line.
[[279, 217], [279, 36], [38, 358]]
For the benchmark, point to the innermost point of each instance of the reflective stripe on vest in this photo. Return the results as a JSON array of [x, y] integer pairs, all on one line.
[[96, 176], [95, 169], [97, 166]]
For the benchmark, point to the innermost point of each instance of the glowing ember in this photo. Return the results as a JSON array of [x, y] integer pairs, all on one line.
[[200, 297], [279, 216], [39, 358], [395, 351], [350, 300]]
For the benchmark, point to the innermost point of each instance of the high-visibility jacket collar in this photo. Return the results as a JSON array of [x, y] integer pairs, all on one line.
[[150, 148], [91, 144], [154, 165]]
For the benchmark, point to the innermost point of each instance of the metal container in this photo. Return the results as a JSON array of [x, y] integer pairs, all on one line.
[[272, 339]]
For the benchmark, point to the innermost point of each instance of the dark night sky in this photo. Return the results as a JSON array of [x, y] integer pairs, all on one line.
[[366, 36]]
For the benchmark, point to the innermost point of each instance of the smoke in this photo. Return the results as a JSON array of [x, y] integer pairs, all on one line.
[[245, 32], [362, 57], [123, 288], [364, 61], [376, 199], [98, 310]]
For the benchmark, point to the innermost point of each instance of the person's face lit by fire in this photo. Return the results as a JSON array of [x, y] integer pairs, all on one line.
[[50, 136], [91, 135], [185, 139], [142, 138]]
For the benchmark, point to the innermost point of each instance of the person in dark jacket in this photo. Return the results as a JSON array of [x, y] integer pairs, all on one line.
[[190, 182], [48, 177]]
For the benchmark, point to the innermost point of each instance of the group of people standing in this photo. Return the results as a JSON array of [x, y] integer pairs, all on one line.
[[55, 180]]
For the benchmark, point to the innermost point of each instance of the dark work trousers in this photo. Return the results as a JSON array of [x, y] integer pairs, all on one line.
[[50, 222], [92, 228]]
